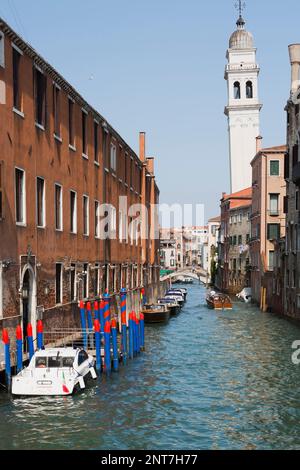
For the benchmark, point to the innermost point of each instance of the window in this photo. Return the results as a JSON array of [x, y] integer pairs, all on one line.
[[1, 190], [274, 168], [297, 200], [71, 123], [286, 165], [97, 219], [249, 90], [20, 196], [84, 133], [113, 157], [2, 46], [121, 226], [40, 202], [237, 90], [82, 357], [73, 283], [73, 212], [125, 168], [56, 110], [104, 147], [274, 204], [96, 142], [273, 231], [58, 208], [40, 98], [240, 240], [85, 280], [86, 230], [271, 260], [295, 154], [58, 284], [16, 79]]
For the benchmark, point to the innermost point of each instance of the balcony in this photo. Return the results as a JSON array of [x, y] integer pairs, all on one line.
[[296, 174]]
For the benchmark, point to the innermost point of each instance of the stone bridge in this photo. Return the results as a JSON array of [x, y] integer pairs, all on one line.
[[197, 274]]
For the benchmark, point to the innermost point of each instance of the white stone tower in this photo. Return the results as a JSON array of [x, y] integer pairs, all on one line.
[[243, 110]]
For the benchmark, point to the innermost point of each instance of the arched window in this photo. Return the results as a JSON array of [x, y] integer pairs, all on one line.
[[237, 91], [249, 90]]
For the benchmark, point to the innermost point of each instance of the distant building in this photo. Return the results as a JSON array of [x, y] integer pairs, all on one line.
[[168, 254], [213, 236], [268, 217], [243, 109], [233, 247], [190, 245]]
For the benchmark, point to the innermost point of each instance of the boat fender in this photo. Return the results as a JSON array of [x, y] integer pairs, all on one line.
[[93, 373], [81, 382]]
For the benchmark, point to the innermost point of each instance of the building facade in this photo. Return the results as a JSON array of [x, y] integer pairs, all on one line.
[[267, 215], [292, 175], [213, 237], [243, 109], [68, 185], [233, 247]]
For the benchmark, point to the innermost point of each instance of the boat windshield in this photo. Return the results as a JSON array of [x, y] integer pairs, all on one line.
[[53, 362]]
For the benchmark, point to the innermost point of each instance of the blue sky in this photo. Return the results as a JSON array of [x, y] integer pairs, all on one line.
[[158, 66]]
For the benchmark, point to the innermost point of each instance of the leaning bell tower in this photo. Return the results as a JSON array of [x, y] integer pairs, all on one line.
[[243, 109]]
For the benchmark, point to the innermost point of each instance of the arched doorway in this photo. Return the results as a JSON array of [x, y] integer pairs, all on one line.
[[28, 302]]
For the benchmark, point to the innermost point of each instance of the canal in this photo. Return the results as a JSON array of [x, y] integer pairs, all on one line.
[[208, 380]]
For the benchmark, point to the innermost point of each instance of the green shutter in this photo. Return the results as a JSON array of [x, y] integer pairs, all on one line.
[[274, 168]]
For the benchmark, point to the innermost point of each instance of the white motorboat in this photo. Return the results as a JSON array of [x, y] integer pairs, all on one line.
[[57, 371], [245, 295]]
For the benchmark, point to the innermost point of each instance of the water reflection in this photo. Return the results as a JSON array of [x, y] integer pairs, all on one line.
[[208, 380]]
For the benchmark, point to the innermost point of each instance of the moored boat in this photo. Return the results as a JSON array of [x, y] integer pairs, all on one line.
[[54, 372], [172, 305], [156, 313], [219, 301]]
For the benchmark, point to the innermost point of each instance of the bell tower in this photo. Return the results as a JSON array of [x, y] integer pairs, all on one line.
[[243, 109]]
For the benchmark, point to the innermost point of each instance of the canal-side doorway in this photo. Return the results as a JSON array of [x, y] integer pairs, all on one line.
[[28, 302]]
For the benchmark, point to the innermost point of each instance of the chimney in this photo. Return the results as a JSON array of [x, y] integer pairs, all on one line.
[[258, 143], [150, 165], [294, 50], [142, 146]]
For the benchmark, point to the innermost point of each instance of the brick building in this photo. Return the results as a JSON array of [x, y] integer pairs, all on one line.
[[63, 169], [268, 217]]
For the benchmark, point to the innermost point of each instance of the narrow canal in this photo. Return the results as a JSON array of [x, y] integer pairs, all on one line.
[[208, 380]]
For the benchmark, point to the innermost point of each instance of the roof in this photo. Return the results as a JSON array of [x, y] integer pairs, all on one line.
[[241, 39], [215, 219], [278, 149], [60, 80], [239, 199]]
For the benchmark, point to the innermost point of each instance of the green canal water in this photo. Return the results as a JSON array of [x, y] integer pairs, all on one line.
[[208, 380]]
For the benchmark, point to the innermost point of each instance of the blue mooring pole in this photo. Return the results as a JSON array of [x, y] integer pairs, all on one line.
[[138, 337], [96, 311], [30, 341], [114, 335], [19, 337], [142, 330], [40, 335], [5, 339], [102, 304], [124, 324], [107, 347], [83, 324], [98, 345], [131, 337]]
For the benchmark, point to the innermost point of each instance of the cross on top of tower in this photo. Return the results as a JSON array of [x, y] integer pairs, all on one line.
[[240, 6]]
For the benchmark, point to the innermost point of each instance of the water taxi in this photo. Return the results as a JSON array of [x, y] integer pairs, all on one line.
[[156, 313], [54, 372], [219, 301]]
